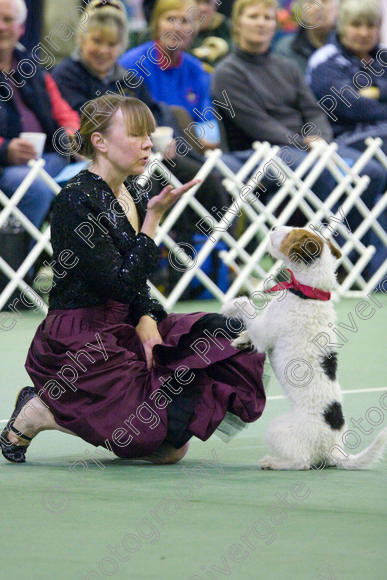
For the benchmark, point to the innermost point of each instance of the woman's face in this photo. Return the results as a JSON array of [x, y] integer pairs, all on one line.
[[176, 22], [255, 28], [100, 49], [126, 154], [360, 37], [207, 10]]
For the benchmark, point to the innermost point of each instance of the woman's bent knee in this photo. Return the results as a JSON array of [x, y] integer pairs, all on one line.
[[167, 455]]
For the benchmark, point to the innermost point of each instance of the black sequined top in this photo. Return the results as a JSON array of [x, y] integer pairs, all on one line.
[[97, 253]]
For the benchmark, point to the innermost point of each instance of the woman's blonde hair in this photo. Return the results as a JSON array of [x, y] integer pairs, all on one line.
[[240, 6], [358, 11], [109, 15], [97, 115], [160, 8]]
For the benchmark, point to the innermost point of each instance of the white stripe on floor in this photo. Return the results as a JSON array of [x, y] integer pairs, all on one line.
[[348, 392], [278, 397]]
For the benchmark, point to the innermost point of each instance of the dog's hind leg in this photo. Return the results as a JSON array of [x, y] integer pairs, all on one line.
[[294, 439]]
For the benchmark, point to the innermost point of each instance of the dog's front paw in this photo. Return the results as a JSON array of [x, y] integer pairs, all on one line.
[[234, 308], [242, 341]]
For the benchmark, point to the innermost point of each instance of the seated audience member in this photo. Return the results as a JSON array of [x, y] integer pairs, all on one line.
[[319, 20], [272, 102], [353, 65], [213, 39], [94, 70], [31, 104], [171, 74]]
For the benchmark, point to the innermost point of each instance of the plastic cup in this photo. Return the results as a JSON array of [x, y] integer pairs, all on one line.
[[38, 140], [162, 138]]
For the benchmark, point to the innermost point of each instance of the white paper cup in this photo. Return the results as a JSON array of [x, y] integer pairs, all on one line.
[[38, 140], [162, 138]]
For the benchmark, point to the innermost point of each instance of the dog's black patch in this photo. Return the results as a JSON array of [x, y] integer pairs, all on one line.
[[329, 365], [333, 415]]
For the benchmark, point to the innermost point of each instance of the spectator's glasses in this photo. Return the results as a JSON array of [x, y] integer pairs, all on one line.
[[111, 3]]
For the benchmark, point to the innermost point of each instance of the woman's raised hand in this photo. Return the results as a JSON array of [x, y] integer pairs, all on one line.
[[168, 196], [159, 204]]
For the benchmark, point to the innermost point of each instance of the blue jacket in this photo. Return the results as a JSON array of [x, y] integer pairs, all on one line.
[[334, 66], [186, 85]]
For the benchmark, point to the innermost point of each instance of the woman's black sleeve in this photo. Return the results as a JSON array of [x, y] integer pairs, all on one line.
[[116, 274], [144, 304]]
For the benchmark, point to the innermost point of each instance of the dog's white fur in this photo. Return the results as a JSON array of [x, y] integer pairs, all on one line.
[[301, 438]]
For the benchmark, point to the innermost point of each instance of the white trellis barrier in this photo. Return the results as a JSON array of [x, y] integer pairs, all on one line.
[[297, 186], [259, 219], [16, 278], [262, 217]]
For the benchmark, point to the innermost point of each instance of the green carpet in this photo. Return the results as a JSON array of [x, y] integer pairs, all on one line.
[[213, 515]]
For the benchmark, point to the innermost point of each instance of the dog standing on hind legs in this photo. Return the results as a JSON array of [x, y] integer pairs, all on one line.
[[310, 434]]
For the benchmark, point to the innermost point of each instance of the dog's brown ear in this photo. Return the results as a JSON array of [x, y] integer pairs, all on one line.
[[302, 244], [334, 250]]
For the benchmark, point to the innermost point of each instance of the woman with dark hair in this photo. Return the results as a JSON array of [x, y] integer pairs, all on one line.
[[108, 363]]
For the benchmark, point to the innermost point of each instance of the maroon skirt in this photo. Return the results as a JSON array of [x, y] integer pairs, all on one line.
[[89, 367]]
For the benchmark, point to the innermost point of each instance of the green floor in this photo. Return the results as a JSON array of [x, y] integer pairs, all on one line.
[[135, 520]]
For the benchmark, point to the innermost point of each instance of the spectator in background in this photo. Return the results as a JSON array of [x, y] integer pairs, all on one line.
[[28, 104], [272, 103], [171, 74], [351, 65], [213, 39], [268, 93], [316, 25]]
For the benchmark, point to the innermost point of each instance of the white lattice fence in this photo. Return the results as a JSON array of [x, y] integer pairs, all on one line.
[[258, 219], [16, 278], [297, 186]]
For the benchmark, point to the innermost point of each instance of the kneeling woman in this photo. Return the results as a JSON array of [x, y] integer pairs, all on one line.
[[108, 364]]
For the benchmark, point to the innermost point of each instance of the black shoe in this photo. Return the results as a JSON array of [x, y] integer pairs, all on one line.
[[11, 451]]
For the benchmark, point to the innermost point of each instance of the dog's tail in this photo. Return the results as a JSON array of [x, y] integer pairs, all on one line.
[[366, 458]]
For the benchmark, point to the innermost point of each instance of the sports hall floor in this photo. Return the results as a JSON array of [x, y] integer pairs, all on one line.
[[160, 524]]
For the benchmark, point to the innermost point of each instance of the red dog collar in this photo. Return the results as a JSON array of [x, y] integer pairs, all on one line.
[[301, 290]]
